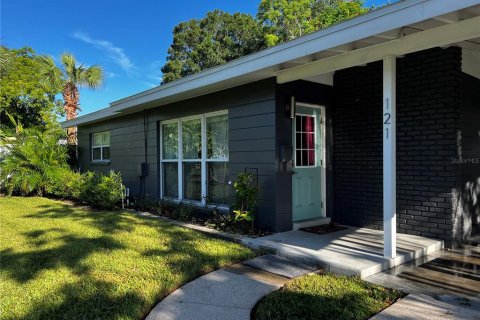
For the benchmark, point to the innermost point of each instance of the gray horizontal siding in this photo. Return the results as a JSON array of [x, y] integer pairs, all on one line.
[[253, 133], [127, 135], [252, 145], [264, 144]]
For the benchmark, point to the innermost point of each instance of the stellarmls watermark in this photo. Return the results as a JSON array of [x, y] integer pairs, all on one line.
[[465, 160]]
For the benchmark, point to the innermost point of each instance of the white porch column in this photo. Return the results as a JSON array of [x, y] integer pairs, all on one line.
[[389, 157]]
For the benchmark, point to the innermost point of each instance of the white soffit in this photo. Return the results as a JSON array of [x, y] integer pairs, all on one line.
[[362, 34], [445, 34]]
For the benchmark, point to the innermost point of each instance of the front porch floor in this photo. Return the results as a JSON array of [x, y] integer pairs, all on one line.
[[354, 251]]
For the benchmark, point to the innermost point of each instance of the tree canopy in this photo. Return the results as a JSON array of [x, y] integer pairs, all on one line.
[[285, 20], [23, 93], [220, 37], [70, 77], [199, 44]]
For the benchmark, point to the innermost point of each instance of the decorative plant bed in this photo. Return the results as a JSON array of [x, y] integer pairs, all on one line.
[[211, 217]]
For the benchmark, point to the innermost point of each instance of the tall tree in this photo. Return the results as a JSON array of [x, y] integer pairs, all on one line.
[[70, 77], [220, 37], [284, 20], [23, 95]]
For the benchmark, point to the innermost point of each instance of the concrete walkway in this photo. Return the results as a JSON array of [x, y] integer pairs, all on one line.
[[232, 292], [228, 293], [443, 285], [425, 307]]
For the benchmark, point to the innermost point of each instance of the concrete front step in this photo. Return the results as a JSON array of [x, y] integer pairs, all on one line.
[[280, 266], [354, 251]]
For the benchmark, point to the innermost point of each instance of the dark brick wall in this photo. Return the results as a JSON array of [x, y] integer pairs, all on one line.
[[428, 103]]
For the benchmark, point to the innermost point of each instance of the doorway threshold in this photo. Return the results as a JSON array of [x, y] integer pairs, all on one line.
[[311, 222]]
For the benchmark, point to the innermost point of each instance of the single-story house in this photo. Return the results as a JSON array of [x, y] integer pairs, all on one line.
[[373, 122]]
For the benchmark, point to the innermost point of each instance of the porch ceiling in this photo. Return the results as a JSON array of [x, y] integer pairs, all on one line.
[[448, 22]]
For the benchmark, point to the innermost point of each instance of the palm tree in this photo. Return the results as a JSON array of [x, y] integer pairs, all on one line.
[[70, 77]]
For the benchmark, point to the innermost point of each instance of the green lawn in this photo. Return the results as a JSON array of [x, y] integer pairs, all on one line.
[[63, 262], [325, 296]]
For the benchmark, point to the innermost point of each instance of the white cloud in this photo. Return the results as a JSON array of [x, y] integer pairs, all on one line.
[[114, 53], [150, 85], [155, 72], [110, 75]]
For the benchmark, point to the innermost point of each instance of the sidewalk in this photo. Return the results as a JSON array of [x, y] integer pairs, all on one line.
[[424, 307], [229, 293], [443, 285]]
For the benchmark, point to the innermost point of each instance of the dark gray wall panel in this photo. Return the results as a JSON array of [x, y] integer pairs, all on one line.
[[263, 132], [247, 125], [253, 144], [251, 117], [307, 92]]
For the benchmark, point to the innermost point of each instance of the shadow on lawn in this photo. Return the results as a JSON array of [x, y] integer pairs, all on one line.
[[24, 266], [88, 299], [182, 254], [106, 221], [183, 241], [301, 305]]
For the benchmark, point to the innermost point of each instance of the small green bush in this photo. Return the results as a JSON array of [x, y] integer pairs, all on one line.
[[177, 211], [147, 203], [64, 183], [102, 191], [245, 198]]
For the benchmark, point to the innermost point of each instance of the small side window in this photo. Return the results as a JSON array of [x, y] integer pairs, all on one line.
[[101, 146]]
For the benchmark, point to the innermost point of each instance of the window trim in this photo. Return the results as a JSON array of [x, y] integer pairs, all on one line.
[[203, 160], [92, 146], [315, 134]]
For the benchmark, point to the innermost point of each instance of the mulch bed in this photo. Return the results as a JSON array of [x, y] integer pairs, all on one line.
[[324, 229]]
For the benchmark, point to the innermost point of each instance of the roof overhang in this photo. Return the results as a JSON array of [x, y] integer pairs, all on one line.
[[400, 28]]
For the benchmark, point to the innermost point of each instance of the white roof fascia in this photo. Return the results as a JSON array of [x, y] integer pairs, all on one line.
[[89, 117]]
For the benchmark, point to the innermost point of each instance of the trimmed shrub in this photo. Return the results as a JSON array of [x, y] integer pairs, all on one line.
[[64, 183], [102, 191]]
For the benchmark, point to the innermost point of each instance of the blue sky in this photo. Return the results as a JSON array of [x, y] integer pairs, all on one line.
[[129, 39]]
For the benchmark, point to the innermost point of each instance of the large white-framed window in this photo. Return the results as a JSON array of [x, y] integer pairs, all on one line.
[[194, 158], [101, 146]]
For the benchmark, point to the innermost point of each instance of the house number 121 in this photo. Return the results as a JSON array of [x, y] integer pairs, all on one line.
[[387, 121]]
